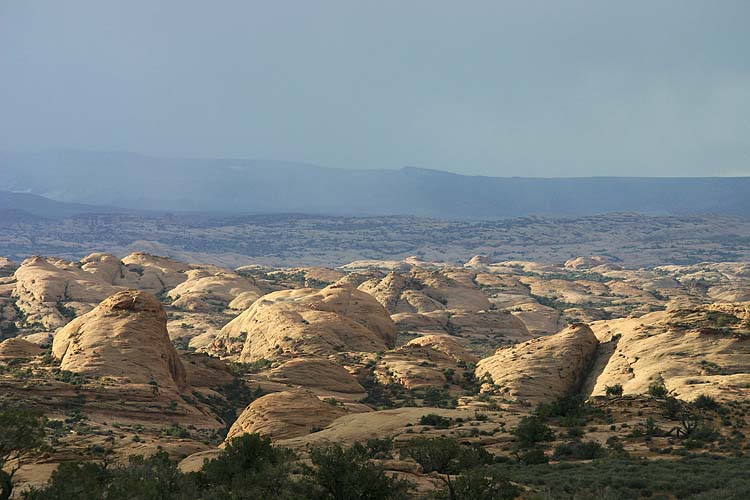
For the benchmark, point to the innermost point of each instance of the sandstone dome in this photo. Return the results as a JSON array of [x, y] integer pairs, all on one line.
[[544, 368], [285, 414], [124, 337], [316, 374], [307, 321], [17, 347]]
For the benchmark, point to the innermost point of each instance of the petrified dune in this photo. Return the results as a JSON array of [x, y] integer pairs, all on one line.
[[423, 362], [335, 319], [18, 348], [545, 368], [286, 414], [124, 337], [316, 374], [206, 290], [693, 351]]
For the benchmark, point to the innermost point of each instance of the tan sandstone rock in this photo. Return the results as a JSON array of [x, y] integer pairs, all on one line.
[[124, 337], [335, 319], [286, 414], [545, 368], [316, 374], [19, 348]]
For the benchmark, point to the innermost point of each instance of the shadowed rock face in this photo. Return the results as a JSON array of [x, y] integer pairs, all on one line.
[[7, 267], [335, 319], [284, 415], [124, 337], [545, 368]]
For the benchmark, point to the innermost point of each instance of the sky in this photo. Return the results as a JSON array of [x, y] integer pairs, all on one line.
[[527, 88]]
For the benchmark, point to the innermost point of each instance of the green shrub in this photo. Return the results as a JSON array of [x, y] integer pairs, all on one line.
[[613, 390], [435, 420], [579, 450], [657, 390], [704, 402], [531, 431], [341, 473]]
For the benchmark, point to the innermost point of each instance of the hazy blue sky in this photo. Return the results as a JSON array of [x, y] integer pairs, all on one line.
[[554, 88]]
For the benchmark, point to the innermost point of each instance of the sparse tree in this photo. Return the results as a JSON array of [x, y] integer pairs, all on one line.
[[21, 433], [446, 457]]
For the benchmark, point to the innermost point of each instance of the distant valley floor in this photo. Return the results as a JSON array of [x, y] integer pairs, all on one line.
[[629, 240]]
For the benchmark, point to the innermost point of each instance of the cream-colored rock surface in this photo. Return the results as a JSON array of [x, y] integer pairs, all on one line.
[[318, 374], [19, 348], [701, 350], [154, 274], [207, 290], [545, 368], [243, 300], [195, 462], [478, 261], [42, 284], [42, 339], [313, 322], [425, 290], [424, 361], [585, 262], [125, 338], [287, 414], [359, 427]]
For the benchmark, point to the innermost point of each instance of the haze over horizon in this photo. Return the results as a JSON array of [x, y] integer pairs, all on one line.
[[532, 89]]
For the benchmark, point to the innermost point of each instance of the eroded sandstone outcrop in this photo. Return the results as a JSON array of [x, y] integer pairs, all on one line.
[[287, 323], [286, 414], [545, 368], [691, 351], [125, 338]]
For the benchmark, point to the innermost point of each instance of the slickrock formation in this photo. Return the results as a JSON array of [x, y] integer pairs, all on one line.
[[124, 337], [203, 370], [51, 291], [479, 261], [7, 267], [19, 348], [316, 374], [425, 290], [423, 362], [314, 322], [206, 290], [243, 300], [42, 285], [544, 368], [155, 274], [286, 414], [585, 262], [700, 350]]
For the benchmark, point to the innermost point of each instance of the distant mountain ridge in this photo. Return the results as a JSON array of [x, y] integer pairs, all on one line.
[[27, 207], [251, 186]]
